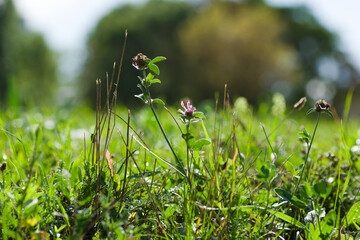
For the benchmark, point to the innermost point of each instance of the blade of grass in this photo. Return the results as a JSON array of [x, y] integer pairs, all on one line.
[[179, 170]]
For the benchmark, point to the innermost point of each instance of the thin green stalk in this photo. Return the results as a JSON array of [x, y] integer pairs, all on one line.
[[163, 132], [187, 151], [307, 154], [166, 138]]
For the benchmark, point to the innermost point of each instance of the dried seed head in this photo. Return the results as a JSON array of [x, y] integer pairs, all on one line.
[[300, 104]]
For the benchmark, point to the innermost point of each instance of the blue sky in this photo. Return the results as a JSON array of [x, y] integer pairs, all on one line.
[[66, 23]]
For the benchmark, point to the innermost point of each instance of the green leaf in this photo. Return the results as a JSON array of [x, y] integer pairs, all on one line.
[[305, 136], [284, 194], [154, 68], [142, 97], [289, 219], [287, 196], [297, 202], [140, 78], [346, 183], [116, 180], [353, 216], [150, 76], [198, 115], [263, 174], [141, 88], [329, 113], [157, 59], [266, 172], [157, 100], [198, 144], [169, 211], [322, 189], [187, 137], [306, 191], [155, 81], [311, 110], [326, 225], [195, 145]]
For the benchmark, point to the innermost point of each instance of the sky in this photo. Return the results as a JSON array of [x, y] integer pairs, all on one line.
[[66, 23]]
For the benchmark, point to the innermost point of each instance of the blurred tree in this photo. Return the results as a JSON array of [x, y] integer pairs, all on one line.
[[237, 44], [247, 44], [28, 70], [318, 50], [151, 30]]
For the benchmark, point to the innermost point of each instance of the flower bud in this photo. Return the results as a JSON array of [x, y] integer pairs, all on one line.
[[321, 105], [140, 61]]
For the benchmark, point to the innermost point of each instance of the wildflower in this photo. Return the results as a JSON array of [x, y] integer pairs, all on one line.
[[189, 110], [321, 105], [188, 114], [140, 61]]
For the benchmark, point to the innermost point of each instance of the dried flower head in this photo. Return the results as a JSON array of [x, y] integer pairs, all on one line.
[[300, 104], [188, 111], [140, 61]]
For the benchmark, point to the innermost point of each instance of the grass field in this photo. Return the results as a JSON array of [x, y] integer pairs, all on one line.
[[222, 171]]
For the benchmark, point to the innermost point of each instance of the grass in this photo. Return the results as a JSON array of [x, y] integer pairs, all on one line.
[[158, 173], [51, 187]]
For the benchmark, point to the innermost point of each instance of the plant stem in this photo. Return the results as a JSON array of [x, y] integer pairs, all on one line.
[[168, 142], [187, 151], [162, 129], [307, 154]]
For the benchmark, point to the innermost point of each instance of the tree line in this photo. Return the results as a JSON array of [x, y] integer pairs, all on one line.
[[254, 48]]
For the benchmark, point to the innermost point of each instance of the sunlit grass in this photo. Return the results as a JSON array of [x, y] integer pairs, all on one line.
[[242, 184]]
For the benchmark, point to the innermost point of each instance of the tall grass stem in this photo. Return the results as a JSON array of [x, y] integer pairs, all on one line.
[[308, 152]]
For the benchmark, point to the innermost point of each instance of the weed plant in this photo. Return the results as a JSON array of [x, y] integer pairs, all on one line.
[[229, 172]]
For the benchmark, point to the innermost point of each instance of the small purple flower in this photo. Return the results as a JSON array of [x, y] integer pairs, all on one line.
[[188, 111]]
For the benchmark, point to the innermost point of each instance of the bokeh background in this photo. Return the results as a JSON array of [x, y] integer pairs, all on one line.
[[52, 52]]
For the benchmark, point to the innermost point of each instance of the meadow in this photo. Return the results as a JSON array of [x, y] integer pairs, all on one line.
[[220, 170]]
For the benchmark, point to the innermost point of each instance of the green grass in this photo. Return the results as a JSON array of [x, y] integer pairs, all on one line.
[[57, 184], [158, 173]]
